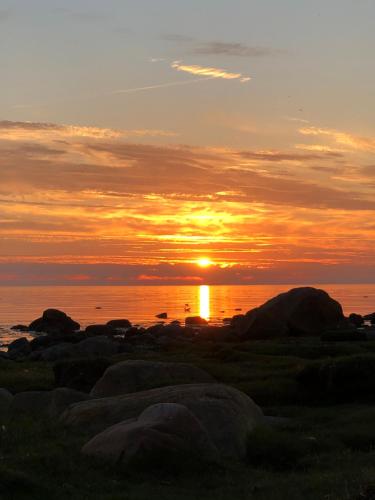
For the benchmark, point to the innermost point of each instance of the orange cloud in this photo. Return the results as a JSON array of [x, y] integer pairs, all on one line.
[[147, 277], [97, 201], [344, 138]]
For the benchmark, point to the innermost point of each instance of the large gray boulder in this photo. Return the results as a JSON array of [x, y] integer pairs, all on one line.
[[166, 433], [54, 322], [138, 375], [45, 403], [90, 347], [300, 311], [227, 414]]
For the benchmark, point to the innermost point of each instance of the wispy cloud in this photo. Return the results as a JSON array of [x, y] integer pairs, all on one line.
[[296, 119], [195, 69], [234, 49], [215, 47], [32, 130], [344, 138], [160, 86], [174, 37]]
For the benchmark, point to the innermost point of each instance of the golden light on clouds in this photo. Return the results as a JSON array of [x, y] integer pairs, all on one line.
[[195, 69], [204, 262], [92, 199]]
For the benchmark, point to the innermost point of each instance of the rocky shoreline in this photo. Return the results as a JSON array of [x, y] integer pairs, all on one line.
[[301, 311], [134, 410]]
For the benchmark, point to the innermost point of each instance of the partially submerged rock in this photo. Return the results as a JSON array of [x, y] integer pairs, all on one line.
[[54, 322], [356, 319], [119, 323], [300, 311], [164, 434], [370, 317], [20, 328], [195, 321], [227, 414], [138, 375]]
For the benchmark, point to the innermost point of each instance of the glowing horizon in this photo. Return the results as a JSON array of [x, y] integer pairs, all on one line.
[[174, 167]]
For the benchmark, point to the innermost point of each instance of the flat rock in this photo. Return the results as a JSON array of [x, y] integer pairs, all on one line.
[[138, 375]]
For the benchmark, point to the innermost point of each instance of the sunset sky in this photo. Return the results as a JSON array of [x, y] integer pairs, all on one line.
[[138, 137]]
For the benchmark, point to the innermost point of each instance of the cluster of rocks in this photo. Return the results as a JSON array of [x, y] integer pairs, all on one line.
[[301, 311], [144, 412], [133, 415]]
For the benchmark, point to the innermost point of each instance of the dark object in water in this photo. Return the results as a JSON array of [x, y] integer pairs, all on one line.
[[370, 317], [196, 321], [20, 328], [356, 319], [163, 315], [303, 311], [119, 323], [238, 309], [54, 322], [97, 307]]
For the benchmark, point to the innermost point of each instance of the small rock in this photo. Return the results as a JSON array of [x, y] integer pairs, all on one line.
[[19, 348], [20, 328], [119, 323], [96, 330], [195, 321]]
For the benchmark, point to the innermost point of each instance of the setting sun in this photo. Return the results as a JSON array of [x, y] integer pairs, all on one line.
[[204, 262]]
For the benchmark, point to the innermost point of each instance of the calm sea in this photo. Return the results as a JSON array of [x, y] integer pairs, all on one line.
[[140, 304]]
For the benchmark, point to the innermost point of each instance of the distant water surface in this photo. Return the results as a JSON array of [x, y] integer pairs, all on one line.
[[140, 304]]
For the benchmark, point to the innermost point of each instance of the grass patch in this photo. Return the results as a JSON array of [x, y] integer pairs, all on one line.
[[326, 453]]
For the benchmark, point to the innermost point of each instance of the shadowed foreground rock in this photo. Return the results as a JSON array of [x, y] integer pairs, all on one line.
[[5, 401], [164, 434], [80, 374], [46, 403], [227, 414], [138, 375], [300, 311]]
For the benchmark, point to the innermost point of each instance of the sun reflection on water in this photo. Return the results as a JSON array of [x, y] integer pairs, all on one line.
[[204, 302]]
